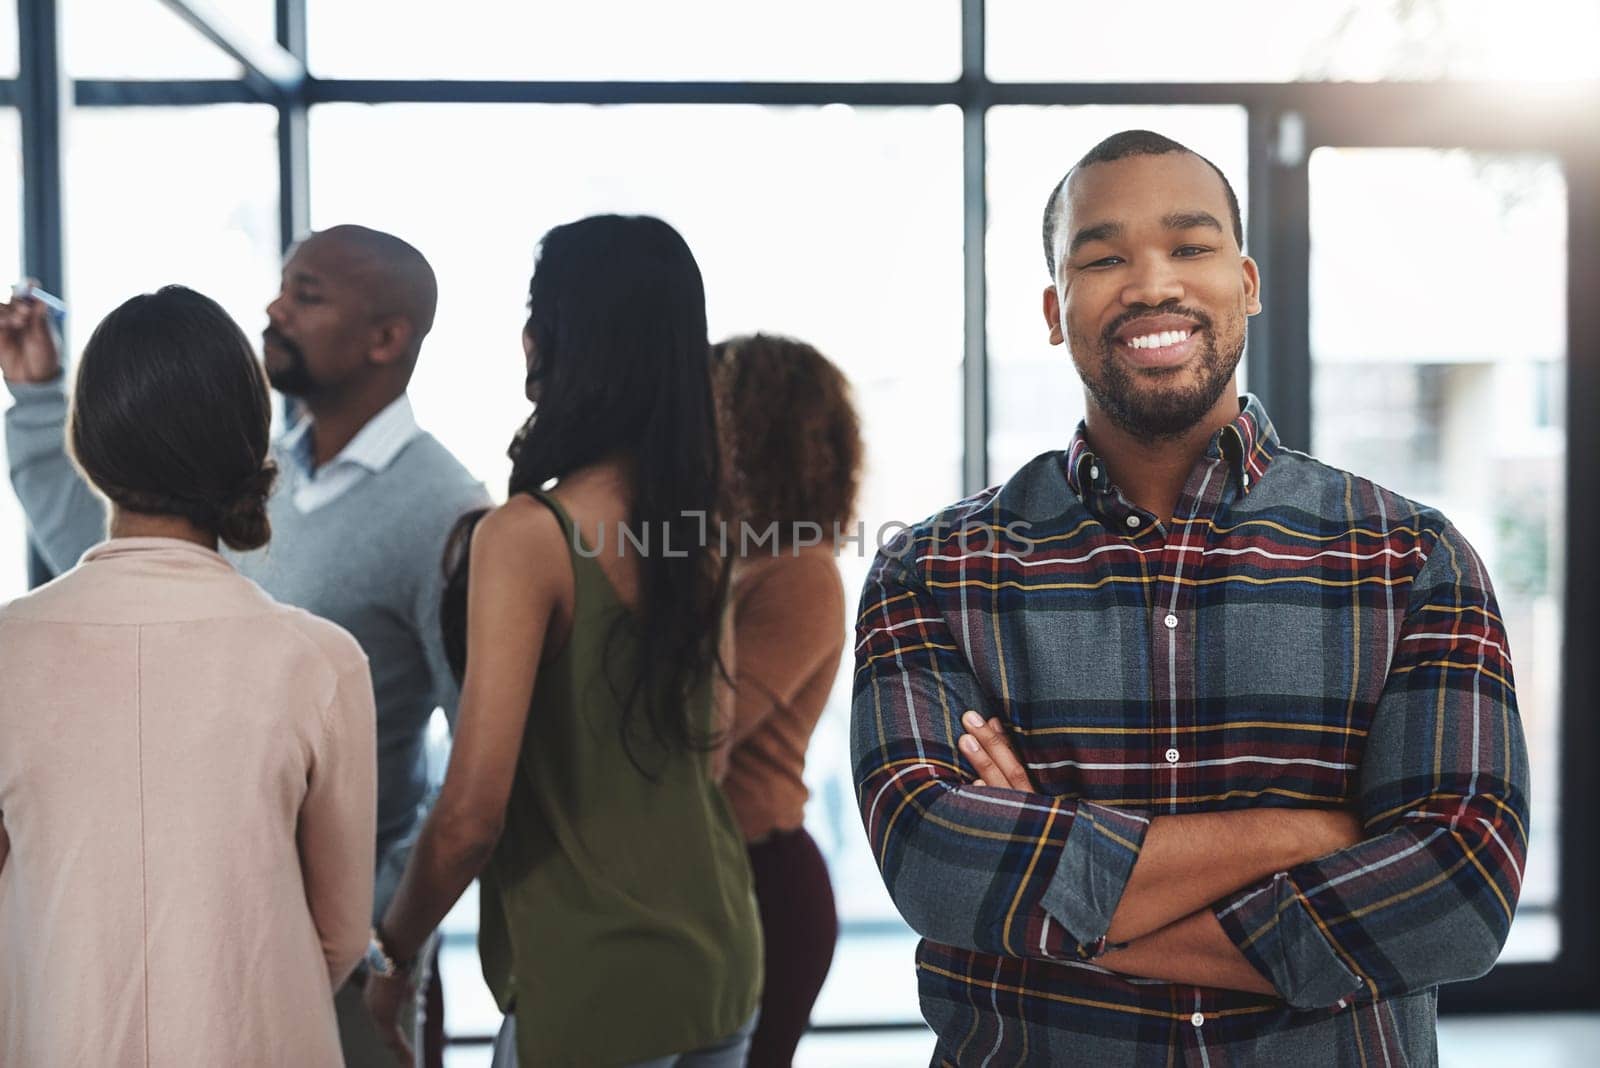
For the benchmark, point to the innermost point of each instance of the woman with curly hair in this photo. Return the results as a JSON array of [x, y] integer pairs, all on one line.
[[793, 444]]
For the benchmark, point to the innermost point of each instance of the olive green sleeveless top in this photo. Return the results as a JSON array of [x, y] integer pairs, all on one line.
[[618, 920]]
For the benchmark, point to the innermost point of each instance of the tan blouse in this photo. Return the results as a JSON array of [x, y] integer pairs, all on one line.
[[187, 785], [789, 635]]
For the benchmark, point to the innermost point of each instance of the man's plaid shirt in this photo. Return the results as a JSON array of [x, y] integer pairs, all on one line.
[[1299, 637]]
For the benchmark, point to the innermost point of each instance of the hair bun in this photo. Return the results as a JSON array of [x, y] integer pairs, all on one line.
[[242, 522]]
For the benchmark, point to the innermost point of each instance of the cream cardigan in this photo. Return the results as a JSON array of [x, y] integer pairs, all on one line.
[[187, 783]]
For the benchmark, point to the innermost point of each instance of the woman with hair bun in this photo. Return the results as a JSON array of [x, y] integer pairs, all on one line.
[[186, 766]]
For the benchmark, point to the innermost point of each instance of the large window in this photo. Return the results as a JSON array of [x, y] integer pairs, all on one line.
[[172, 195], [707, 40], [96, 37], [771, 200], [1460, 409], [1270, 41], [870, 178]]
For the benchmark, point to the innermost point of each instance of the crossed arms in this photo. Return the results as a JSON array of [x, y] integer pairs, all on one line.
[[1291, 902], [1162, 923]]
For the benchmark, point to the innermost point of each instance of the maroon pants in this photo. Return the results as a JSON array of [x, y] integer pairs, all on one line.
[[800, 926], [433, 1020]]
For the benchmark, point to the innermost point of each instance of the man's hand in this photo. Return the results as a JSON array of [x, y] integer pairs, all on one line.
[[29, 351], [1193, 950], [383, 998], [987, 746]]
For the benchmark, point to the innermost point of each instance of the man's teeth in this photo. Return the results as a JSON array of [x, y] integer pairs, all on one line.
[[1159, 341]]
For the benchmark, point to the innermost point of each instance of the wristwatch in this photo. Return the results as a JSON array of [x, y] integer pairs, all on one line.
[[378, 959]]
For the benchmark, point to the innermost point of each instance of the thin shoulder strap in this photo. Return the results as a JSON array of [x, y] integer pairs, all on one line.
[[568, 527]]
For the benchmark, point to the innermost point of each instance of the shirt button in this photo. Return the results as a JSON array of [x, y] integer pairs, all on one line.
[[1171, 621], [1198, 1018], [1247, 480], [1172, 756], [1133, 521], [1094, 472]]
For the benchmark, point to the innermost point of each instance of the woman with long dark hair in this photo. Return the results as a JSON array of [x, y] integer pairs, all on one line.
[[793, 467], [187, 767], [618, 924]]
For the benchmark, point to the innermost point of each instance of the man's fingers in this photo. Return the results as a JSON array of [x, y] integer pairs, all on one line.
[[982, 763], [985, 753], [19, 314], [1005, 757], [992, 754]]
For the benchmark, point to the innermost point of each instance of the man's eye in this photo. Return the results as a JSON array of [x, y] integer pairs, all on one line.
[[307, 298], [1190, 251], [1104, 262]]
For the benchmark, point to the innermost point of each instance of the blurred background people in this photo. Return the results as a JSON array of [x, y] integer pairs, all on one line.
[[792, 446], [361, 515], [618, 923], [186, 766]]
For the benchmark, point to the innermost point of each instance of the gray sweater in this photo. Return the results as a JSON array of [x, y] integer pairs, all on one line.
[[368, 561]]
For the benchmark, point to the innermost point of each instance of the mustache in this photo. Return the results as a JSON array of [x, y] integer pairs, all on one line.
[[269, 336], [1134, 314]]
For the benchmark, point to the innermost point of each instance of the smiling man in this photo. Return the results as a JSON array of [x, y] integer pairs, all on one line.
[[1273, 788]]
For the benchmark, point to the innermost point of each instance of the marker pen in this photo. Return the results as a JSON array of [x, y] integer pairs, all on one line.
[[54, 304]]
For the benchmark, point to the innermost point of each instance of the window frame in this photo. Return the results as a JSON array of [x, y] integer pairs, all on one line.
[[1285, 123]]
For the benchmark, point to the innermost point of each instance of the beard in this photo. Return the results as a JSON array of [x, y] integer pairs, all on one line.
[[1153, 404], [293, 379]]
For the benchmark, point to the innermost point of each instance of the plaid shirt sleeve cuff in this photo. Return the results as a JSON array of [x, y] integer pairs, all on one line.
[[1277, 934], [1095, 863]]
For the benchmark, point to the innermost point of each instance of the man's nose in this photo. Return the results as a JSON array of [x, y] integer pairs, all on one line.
[[1154, 281]]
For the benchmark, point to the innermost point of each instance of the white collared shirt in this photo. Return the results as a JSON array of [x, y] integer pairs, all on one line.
[[372, 449]]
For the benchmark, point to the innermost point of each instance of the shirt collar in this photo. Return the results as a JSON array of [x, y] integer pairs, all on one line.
[[1249, 444], [174, 548], [374, 447]]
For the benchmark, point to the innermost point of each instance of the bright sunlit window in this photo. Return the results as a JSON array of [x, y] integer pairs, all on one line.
[[704, 40], [1271, 41], [194, 200], [843, 226], [1455, 411]]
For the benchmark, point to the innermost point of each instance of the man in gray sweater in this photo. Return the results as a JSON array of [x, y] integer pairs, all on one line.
[[364, 502]]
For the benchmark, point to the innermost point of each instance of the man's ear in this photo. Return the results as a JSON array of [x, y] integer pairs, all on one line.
[[1252, 286], [391, 340], [1052, 315]]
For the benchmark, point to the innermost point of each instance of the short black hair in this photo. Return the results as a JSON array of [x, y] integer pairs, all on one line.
[[1121, 146], [171, 416]]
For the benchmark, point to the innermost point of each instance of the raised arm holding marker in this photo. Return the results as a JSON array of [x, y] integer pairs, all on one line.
[[28, 291]]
